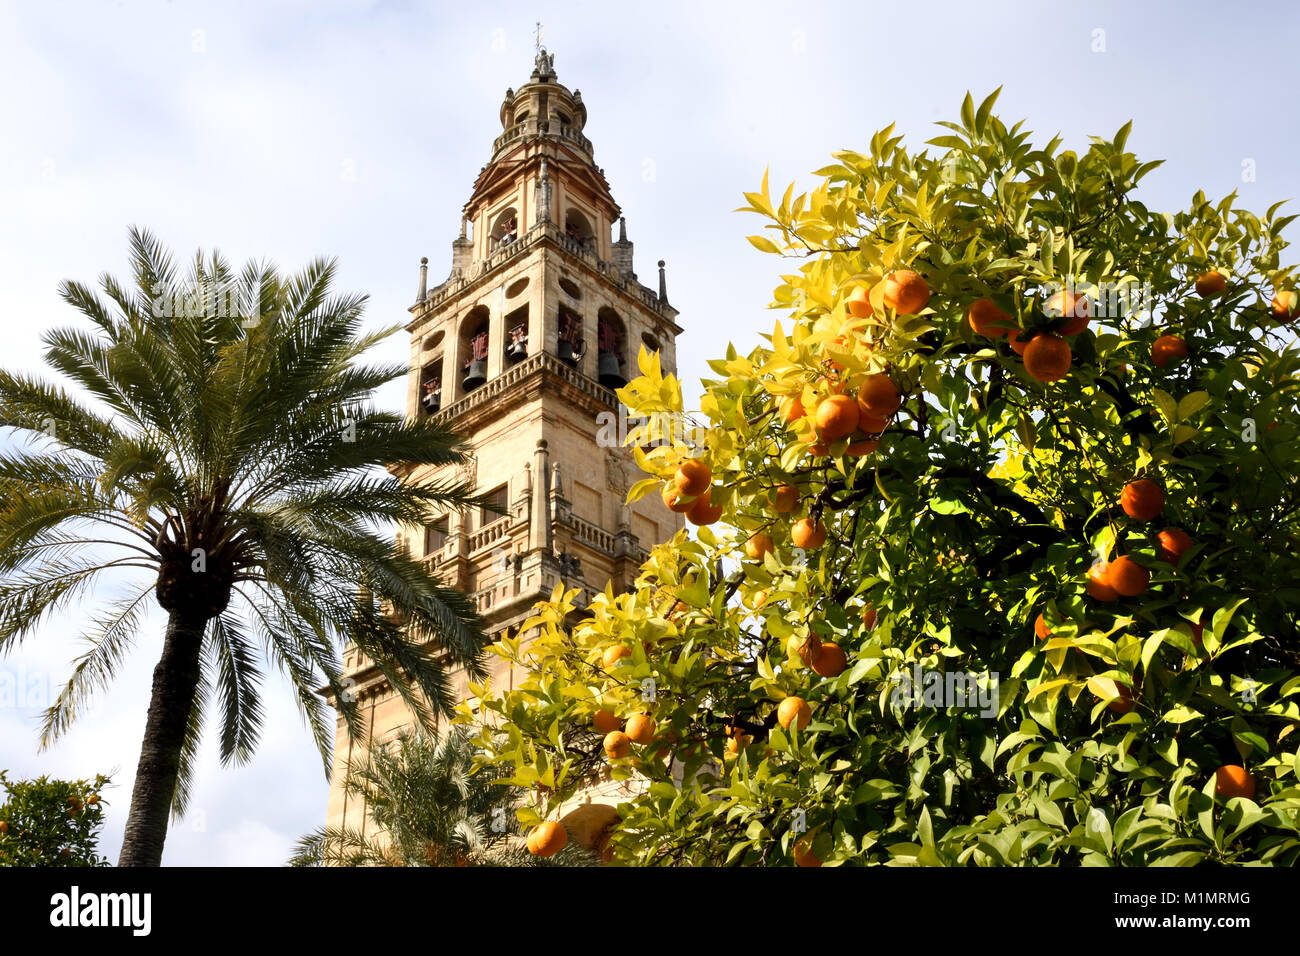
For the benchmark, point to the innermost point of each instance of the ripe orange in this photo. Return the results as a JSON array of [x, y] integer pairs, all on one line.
[[861, 445], [1231, 780], [1098, 585], [793, 710], [1041, 628], [809, 649], [615, 654], [617, 744], [1122, 704], [1076, 308], [1127, 577], [4, 827], [878, 396], [830, 660], [790, 409], [785, 499], [92, 800], [859, 302], [1142, 500], [673, 499], [906, 292], [703, 511], [1174, 543], [803, 853], [1018, 345], [602, 721], [1210, 283], [1286, 306], [547, 839], [758, 545], [808, 534], [1047, 358], [837, 416], [640, 728], [693, 477], [1167, 348], [869, 616], [983, 315]]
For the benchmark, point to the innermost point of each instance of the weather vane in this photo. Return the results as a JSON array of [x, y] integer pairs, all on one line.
[[537, 43]]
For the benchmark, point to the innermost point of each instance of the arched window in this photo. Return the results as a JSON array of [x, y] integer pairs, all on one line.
[[474, 348], [431, 386], [577, 228], [570, 340], [611, 341], [505, 229], [516, 344]]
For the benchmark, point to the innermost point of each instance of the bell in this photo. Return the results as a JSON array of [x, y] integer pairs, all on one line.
[[610, 372], [476, 375]]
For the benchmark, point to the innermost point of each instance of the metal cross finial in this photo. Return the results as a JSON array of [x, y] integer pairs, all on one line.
[[537, 43]]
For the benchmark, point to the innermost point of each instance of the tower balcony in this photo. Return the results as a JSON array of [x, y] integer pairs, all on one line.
[[482, 269], [531, 128]]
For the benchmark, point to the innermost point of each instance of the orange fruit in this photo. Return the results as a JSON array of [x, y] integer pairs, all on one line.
[[983, 316], [673, 499], [617, 744], [837, 416], [878, 396], [1210, 283], [1122, 704], [1142, 500], [861, 445], [1076, 308], [791, 409], [1041, 628], [92, 800], [793, 710], [1231, 780], [809, 649], [693, 477], [1018, 345], [803, 853], [808, 534], [906, 292], [703, 511], [819, 450], [859, 302], [4, 827], [1167, 348], [785, 499], [1127, 577], [615, 654], [830, 660], [758, 545], [1047, 358], [602, 721], [1098, 585], [869, 616], [1174, 543], [640, 728], [547, 839], [1286, 306]]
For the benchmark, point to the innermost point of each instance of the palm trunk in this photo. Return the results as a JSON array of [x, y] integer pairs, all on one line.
[[175, 683]]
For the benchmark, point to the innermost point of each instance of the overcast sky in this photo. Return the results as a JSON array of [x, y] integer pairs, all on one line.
[[291, 130]]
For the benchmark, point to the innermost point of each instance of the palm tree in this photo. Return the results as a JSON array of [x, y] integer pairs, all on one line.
[[429, 808], [228, 464]]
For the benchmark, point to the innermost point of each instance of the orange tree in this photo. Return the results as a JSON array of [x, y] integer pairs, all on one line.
[[47, 822], [1009, 499]]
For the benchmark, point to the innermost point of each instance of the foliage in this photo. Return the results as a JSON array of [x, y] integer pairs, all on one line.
[[230, 469], [427, 807], [48, 822], [990, 496]]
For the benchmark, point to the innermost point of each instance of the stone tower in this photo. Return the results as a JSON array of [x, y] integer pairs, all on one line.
[[519, 350]]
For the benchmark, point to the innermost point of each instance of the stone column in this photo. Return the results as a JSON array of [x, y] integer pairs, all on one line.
[[539, 531]]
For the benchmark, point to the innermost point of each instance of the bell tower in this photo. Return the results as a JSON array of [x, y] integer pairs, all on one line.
[[519, 350]]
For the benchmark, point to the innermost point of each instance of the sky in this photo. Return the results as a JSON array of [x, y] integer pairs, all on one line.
[[290, 130]]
